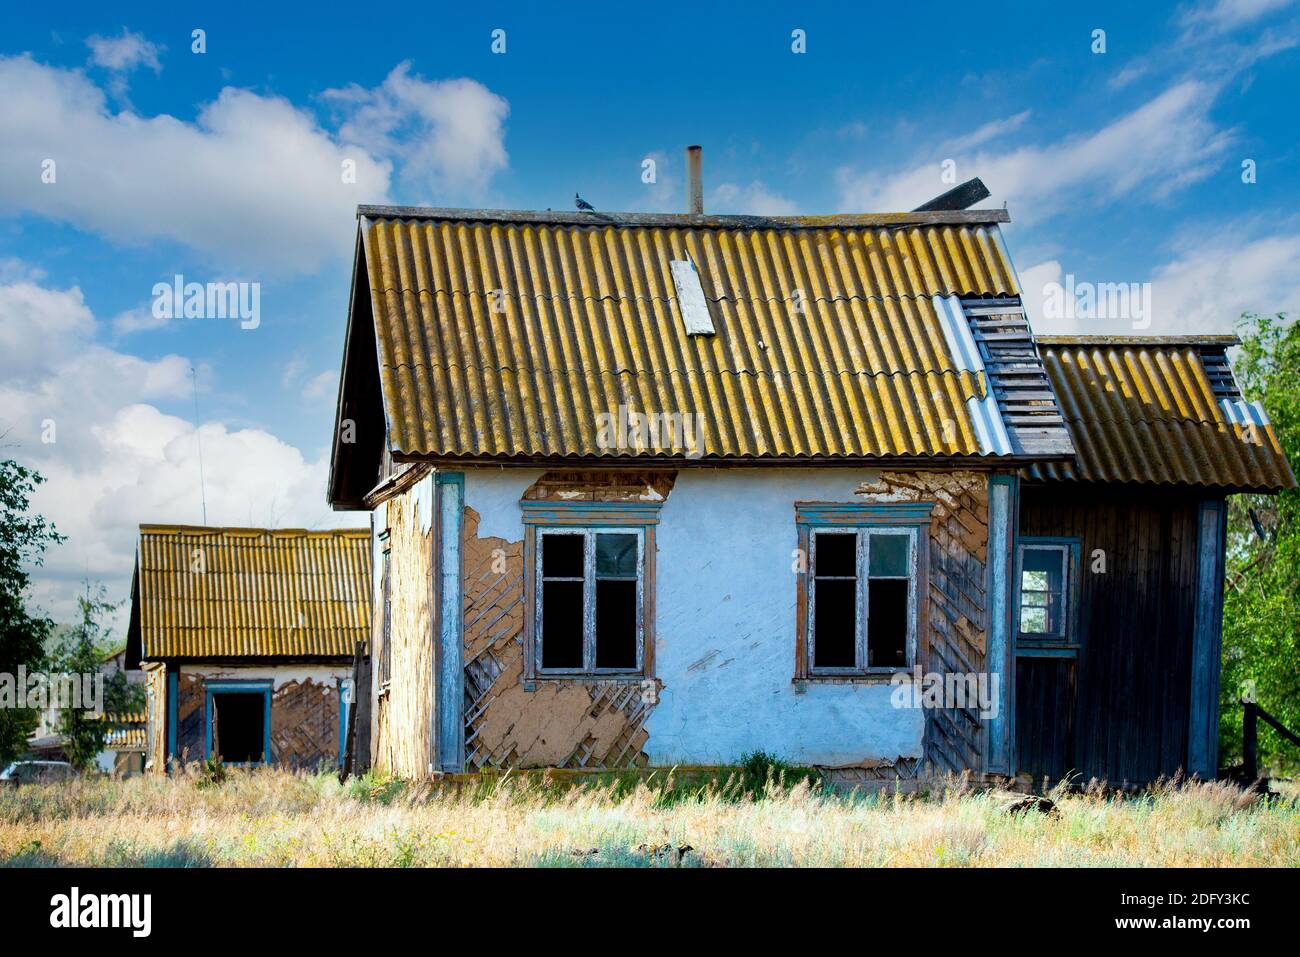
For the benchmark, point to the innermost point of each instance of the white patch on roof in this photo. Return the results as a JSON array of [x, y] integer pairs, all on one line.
[[690, 298], [1241, 412]]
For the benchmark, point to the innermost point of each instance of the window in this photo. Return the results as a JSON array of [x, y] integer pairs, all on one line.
[[1046, 572], [860, 597], [239, 721], [590, 589], [589, 602]]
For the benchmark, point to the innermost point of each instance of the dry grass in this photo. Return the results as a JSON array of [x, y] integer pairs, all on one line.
[[270, 818]]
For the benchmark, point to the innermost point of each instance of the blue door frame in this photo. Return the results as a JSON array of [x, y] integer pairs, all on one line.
[[240, 687]]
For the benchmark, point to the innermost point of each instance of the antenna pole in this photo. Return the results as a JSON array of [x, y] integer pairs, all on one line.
[[203, 491]]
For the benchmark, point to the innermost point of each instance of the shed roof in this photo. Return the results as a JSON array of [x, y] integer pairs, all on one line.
[[1159, 410], [220, 593]]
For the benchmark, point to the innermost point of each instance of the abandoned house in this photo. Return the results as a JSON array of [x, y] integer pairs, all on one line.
[[247, 637], [659, 490]]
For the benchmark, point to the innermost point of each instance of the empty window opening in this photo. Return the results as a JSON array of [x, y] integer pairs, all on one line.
[[835, 602], [238, 726], [589, 601], [862, 613]]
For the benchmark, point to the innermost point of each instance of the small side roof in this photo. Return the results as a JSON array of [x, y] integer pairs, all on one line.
[[1159, 410], [223, 593]]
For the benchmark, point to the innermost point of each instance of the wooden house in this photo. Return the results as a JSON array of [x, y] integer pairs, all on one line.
[[671, 489], [247, 637]]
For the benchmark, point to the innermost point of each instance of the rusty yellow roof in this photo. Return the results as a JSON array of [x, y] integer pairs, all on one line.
[[250, 592], [1159, 411], [515, 336]]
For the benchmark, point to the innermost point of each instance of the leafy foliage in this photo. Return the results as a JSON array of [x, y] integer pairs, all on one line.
[[82, 652], [23, 540], [1261, 616]]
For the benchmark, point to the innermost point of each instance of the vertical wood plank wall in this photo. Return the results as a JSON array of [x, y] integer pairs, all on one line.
[[403, 711], [1203, 733], [1120, 712]]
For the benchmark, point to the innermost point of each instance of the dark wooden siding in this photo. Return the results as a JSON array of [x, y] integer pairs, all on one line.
[[1121, 712]]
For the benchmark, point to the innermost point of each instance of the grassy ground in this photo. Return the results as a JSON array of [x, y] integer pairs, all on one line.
[[270, 818]]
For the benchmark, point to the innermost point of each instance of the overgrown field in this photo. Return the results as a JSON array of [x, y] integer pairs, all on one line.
[[271, 818]]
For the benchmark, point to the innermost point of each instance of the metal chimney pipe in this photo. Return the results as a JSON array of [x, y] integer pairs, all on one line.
[[695, 180]]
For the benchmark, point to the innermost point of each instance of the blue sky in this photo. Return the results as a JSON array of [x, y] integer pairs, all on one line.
[[1117, 166]]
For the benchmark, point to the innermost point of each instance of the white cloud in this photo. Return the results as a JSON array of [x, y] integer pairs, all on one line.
[[324, 385], [254, 181], [123, 55], [139, 319], [1203, 290], [117, 460], [1211, 283], [989, 131], [1220, 16], [754, 199], [1164, 145], [447, 135]]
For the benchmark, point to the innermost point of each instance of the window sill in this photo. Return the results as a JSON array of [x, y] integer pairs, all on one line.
[[882, 677], [530, 684]]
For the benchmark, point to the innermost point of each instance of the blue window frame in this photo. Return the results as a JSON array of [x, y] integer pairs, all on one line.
[[261, 688], [1047, 596]]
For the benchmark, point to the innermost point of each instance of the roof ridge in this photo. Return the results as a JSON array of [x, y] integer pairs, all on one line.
[[958, 217]]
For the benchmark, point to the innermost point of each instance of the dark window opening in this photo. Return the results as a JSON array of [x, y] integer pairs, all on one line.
[[835, 624], [562, 625], [600, 568], [616, 624], [562, 556], [239, 726], [887, 627], [861, 600], [835, 600]]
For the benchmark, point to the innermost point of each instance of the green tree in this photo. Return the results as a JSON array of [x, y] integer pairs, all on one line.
[[23, 540], [82, 652], [1261, 614]]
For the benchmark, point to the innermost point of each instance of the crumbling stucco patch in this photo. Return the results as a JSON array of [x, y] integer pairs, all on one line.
[[958, 619], [559, 723]]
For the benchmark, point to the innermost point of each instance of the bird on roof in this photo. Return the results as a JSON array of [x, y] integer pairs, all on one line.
[[582, 203]]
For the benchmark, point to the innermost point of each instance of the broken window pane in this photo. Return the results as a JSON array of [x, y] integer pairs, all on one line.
[[562, 556], [616, 621], [836, 554], [835, 622], [887, 618], [616, 556], [889, 555], [562, 621], [238, 726]]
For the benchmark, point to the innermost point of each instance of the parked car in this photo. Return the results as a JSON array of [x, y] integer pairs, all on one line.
[[36, 772]]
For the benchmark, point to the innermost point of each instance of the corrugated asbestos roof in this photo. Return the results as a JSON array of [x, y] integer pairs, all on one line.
[[505, 337], [1145, 411], [248, 592]]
